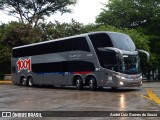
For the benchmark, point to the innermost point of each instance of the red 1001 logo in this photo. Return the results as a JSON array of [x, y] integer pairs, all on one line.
[[24, 64]]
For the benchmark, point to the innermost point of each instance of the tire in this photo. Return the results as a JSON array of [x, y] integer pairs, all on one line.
[[24, 81], [30, 82], [79, 83], [92, 83]]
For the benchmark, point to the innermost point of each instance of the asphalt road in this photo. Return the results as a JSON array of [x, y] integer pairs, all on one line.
[[19, 98]]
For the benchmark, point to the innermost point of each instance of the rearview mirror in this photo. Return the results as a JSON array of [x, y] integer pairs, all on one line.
[[145, 52]]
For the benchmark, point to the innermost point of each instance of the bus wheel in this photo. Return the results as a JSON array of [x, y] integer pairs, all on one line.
[[79, 83], [30, 81], [24, 81], [92, 83]]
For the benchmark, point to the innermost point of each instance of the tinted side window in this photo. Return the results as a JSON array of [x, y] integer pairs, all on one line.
[[65, 66], [51, 47], [100, 40], [79, 43], [108, 60], [79, 66], [15, 53], [28, 51]]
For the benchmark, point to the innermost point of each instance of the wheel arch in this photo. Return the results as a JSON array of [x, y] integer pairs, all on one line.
[[87, 78], [21, 78], [28, 76], [74, 79]]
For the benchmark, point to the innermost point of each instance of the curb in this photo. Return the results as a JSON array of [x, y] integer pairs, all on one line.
[[5, 82]]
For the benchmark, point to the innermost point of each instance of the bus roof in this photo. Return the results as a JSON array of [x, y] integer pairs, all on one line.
[[81, 35]]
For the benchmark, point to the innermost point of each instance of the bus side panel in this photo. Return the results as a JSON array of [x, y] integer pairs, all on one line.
[[37, 78], [14, 70], [53, 79], [99, 78], [58, 78]]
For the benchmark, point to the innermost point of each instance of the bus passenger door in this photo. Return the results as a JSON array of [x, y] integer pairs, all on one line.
[[102, 78]]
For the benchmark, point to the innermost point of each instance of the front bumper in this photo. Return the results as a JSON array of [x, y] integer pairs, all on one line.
[[121, 81], [129, 81], [133, 83]]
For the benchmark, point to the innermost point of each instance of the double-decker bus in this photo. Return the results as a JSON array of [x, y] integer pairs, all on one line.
[[97, 59]]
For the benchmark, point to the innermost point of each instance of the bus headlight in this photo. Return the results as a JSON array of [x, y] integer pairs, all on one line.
[[121, 83], [120, 77]]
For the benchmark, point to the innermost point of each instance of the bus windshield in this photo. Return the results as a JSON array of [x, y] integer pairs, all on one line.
[[131, 64], [122, 42]]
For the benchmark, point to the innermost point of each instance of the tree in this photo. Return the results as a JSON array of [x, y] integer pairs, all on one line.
[[16, 34], [32, 11], [59, 30], [132, 14]]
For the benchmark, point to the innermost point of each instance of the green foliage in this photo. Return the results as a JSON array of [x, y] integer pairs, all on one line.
[[132, 14], [16, 34], [31, 11], [60, 30]]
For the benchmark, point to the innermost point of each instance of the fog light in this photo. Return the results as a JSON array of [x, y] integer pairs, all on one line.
[[141, 82], [121, 83]]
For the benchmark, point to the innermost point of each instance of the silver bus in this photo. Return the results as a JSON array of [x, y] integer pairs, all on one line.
[[97, 59]]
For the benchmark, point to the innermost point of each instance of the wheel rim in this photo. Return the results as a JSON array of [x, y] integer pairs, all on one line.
[[78, 83], [91, 83], [30, 82], [24, 82]]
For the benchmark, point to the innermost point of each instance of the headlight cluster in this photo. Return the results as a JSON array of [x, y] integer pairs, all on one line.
[[121, 83], [120, 77]]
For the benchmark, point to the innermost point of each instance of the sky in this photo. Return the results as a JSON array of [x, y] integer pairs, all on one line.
[[85, 11]]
